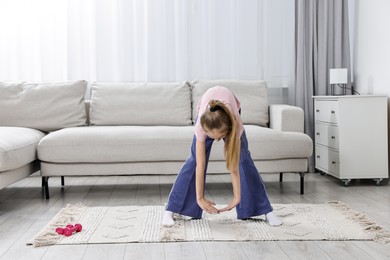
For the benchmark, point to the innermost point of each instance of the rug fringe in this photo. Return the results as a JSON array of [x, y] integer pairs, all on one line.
[[380, 235], [65, 216]]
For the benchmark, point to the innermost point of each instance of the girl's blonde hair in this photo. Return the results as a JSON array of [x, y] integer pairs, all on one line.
[[219, 117]]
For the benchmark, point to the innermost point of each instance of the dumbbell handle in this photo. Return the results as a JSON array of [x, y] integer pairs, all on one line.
[[69, 230]]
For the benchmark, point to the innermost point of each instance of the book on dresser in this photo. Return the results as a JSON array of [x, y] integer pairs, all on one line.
[[351, 137]]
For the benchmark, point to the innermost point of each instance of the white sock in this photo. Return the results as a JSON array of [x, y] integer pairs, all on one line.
[[273, 219], [168, 218]]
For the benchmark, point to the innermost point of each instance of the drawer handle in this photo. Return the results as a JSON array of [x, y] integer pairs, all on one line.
[[317, 110], [333, 162], [333, 137], [332, 112], [318, 156], [317, 133]]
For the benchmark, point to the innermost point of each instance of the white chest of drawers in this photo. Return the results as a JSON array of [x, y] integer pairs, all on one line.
[[351, 137]]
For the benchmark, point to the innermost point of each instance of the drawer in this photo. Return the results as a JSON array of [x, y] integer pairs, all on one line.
[[326, 111], [327, 160], [327, 135]]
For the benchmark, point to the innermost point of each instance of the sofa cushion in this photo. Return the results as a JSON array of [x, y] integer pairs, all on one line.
[[18, 146], [166, 104], [116, 144], [268, 144], [43, 106], [251, 94], [111, 144]]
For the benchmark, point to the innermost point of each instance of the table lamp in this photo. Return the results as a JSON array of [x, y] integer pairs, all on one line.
[[338, 77]]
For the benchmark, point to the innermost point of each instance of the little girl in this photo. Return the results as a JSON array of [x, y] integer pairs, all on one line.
[[219, 118]]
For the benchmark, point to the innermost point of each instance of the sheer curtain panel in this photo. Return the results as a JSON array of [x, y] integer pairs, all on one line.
[[147, 40]]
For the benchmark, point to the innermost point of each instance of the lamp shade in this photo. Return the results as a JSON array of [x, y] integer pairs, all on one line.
[[338, 76]]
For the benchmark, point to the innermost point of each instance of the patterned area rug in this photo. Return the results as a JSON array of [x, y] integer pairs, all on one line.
[[330, 221]]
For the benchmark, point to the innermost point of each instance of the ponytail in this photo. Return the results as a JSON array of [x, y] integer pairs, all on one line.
[[220, 117]]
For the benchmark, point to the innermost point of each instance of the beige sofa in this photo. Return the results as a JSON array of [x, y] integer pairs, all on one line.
[[18, 149], [28, 111], [148, 129]]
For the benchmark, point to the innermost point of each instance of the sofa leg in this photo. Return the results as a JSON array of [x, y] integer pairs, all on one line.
[[43, 182], [62, 181], [46, 184], [302, 174], [281, 177]]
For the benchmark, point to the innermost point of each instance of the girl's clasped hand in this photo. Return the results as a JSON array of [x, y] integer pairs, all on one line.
[[209, 206]]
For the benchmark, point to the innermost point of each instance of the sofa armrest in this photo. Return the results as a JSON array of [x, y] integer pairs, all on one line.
[[286, 118]]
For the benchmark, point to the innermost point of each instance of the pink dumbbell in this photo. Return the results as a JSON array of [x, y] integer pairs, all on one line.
[[60, 230], [69, 229]]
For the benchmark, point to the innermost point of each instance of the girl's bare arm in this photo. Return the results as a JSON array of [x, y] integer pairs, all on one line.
[[205, 204], [235, 174]]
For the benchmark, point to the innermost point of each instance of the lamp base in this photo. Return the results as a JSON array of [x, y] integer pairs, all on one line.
[[341, 86]]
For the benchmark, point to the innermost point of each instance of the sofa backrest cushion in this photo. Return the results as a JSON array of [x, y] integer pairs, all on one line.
[[43, 106], [251, 94], [140, 104]]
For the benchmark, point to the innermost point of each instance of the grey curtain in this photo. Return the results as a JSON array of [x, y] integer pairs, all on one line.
[[321, 43]]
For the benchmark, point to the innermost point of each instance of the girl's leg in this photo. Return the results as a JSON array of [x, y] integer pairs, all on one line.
[[254, 198], [182, 198]]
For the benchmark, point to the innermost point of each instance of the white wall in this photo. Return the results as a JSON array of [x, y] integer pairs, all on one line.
[[371, 46], [371, 49]]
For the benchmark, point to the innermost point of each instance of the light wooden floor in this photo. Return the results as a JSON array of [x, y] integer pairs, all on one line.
[[24, 211]]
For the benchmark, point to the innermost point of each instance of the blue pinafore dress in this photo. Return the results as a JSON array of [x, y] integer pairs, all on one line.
[[254, 199]]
